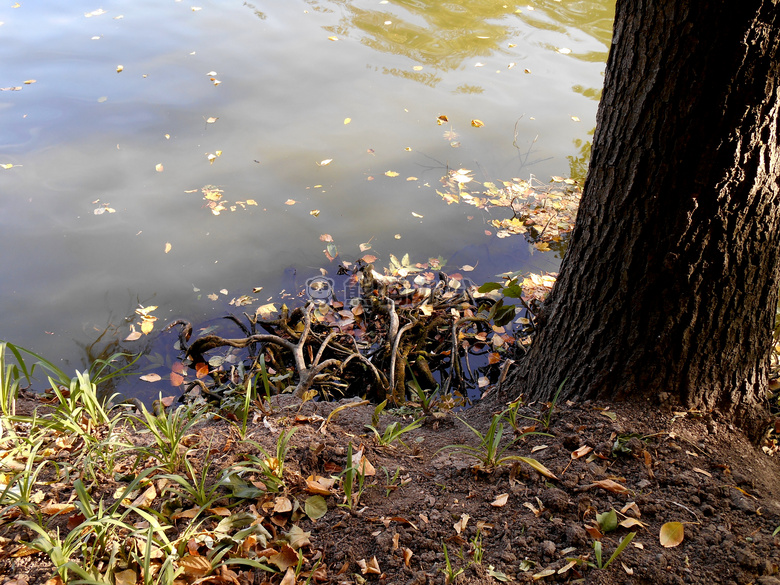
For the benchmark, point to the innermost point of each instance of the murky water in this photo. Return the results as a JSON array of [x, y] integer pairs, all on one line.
[[138, 105]]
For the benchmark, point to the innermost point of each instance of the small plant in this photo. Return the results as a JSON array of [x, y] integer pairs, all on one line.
[[20, 489], [393, 431], [352, 479], [597, 551], [548, 417], [477, 550], [394, 482], [490, 454], [427, 401], [270, 467], [169, 432], [450, 573], [197, 488], [9, 385], [512, 416], [623, 544]]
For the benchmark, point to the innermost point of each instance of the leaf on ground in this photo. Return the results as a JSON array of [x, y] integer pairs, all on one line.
[[54, 508], [543, 574], [672, 534], [319, 485], [500, 501], [609, 485], [315, 507], [195, 566], [369, 567], [285, 558], [631, 522], [460, 525], [126, 577], [282, 504], [146, 498], [607, 520], [297, 537], [538, 467], [581, 452]]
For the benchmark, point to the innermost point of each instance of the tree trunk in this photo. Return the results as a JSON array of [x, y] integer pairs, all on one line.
[[670, 282]]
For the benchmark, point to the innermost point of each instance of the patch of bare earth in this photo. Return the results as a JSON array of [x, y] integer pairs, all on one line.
[[697, 470]]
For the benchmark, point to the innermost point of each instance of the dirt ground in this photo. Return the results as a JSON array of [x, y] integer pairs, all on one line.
[[508, 524]]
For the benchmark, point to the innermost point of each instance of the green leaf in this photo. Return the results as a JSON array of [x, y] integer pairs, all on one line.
[[316, 507], [607, 521], [623, 544], [489, 286], [536, 465], [514, 291]]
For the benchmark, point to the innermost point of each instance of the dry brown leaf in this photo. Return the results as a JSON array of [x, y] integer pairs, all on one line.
[[610, 485], [146, 498], [53, 508], [369, 567], [126, 577], [631, 522], [289, 577], [500, 501], [282, 505], [581, 452], [195, 566], [407, 556], [460, 525]]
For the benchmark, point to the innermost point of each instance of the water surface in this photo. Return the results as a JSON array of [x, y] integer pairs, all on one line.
[[122, 87]]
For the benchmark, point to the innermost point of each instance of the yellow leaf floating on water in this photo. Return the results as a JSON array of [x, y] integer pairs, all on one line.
[[347, 121], [29, 81], [314, 212], [477, 123], [211, 120], [417, 68], [120, 68], [134, 335], [159, 168], [391, 173], [324, 163], [333, 38], [575, 118], [151, 378], [168, 247], [251, 202], [290, 202]]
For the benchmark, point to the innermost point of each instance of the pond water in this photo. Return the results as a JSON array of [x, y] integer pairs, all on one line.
[[133, 107]]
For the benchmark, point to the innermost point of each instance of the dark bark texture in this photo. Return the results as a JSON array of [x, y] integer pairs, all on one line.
[[671, 280]]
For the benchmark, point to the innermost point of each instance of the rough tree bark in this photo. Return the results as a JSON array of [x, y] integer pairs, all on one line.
[[671, 280]]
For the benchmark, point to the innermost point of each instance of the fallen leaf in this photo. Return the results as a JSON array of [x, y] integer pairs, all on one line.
[[407, 556], [151, 378], [324, 163], [146, 498], [211, 120], [500, 501], [543, 574], [290, 202], [315, 507], [120, 68], [126, 577], [581, 452], [369, 567], [298, 538], [347, 121], [672, 534], [134, 335], [195, 566], [333, 38], [54, 508], [631, 522], [460, 525], [314, 212], [159, 168], [168, 247], [477, 123], [610, 485], [391, 173]]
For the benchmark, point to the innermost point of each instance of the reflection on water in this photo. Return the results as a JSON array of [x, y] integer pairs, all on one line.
[[85, 136]]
